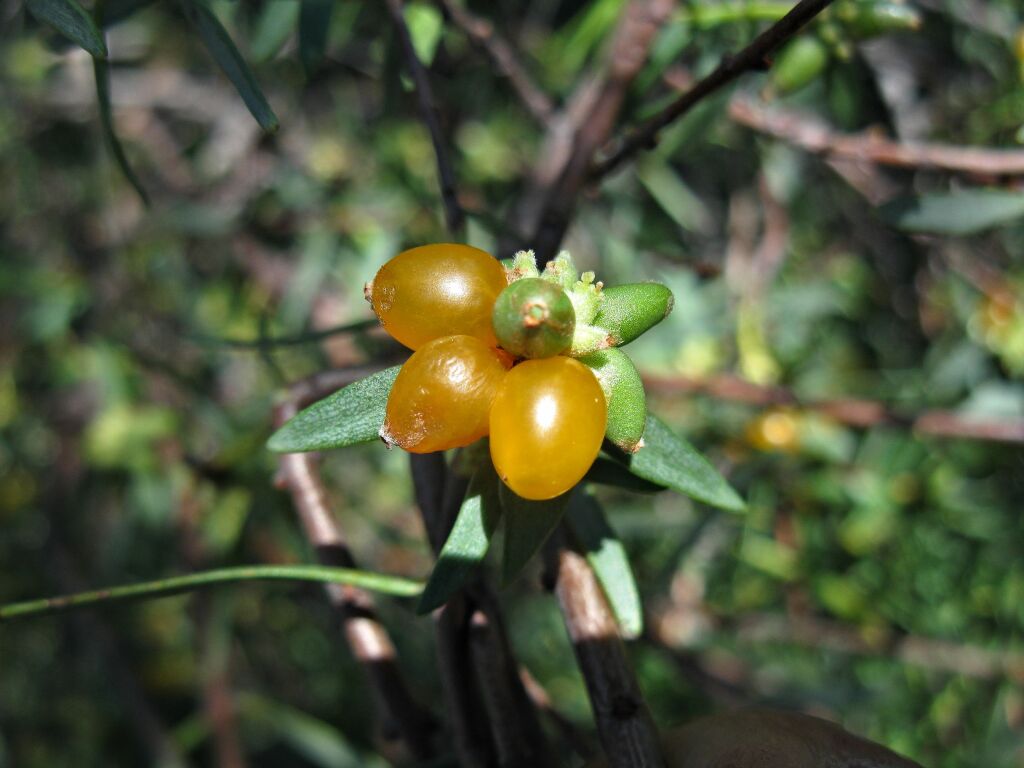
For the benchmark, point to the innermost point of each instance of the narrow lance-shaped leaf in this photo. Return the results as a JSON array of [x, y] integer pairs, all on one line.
[[608, 472], [467, 544], [957, 213], [629, 310], [314, 25], [352, 415], [669, 460], [72, 20], [101, 70], [224, 52], [527, 526], [608, 558]]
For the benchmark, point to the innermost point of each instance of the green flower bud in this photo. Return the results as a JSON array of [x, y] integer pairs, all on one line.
[[799, 63], [632, 309], [624, 393], [534, 318]]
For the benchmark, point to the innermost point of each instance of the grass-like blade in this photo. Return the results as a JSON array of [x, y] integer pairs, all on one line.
[[314, 25], [175, 585], [527, 526], [608, 558], [669, 460], [352, 415], [101, 69], [72, 20], [218, 42], [468, 542]]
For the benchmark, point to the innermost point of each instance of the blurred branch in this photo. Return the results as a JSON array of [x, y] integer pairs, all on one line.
[[454, 216], [366, 636], [958, 658], [624, 722], [751, 58], [481, 33], [582, 127], [817, 138], [849, 411]]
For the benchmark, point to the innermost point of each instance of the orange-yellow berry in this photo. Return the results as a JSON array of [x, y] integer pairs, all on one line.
[[547, 424], [442, 396], [437, 290]]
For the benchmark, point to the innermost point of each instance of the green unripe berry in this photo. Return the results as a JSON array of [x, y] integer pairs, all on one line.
[[534, 318]]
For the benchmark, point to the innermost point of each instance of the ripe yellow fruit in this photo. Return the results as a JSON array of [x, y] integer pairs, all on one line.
[[442, 397], [547, 423], [437, 290]]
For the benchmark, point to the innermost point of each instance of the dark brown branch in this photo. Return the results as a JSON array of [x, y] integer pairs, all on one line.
[[481, 33], [428, 113], [753, 58], [366, 636], [624, 722], [817, 138], [515, 728], [849, 411]]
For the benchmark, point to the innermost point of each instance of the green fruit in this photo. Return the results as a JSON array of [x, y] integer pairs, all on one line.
[[799, 63], [629, 310], [624, 394], [534, 318]]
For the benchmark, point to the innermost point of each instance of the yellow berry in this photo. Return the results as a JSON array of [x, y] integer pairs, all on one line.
[[547, 423], [437, 290], [442, 396]]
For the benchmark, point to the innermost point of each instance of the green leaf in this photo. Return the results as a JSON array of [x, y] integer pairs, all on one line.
[[352, 415], [224, 52], [101, 70], [956, 213], [425, 27], [468, 542], [314, 26], [799, 63], [608, 558], [624, 394], [607, 472], [72, 20], [274, 25], [673, 196], [527, 526], [669, 460], [629, 310]]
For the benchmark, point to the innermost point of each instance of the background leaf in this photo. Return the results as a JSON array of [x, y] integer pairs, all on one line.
[[527, 526], [609, 472], [964, 212], [669, 460], [71, 20], [352, 415], [101, 70], [467, 544], [222, 49], [609, 560], [314, 27]]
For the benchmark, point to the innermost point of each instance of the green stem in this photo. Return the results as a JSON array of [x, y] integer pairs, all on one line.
[[726, 13], [377, 582]]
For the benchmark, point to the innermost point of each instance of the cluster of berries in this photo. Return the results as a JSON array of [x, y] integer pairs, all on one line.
[[505, 351]]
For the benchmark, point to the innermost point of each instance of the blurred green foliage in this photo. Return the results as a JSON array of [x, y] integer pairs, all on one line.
[[132, 443]]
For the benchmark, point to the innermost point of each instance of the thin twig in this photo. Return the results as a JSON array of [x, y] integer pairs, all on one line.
[[849, 411], [508, 63], [816, 137], [366, 636], [751, 59], [428, 113]]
